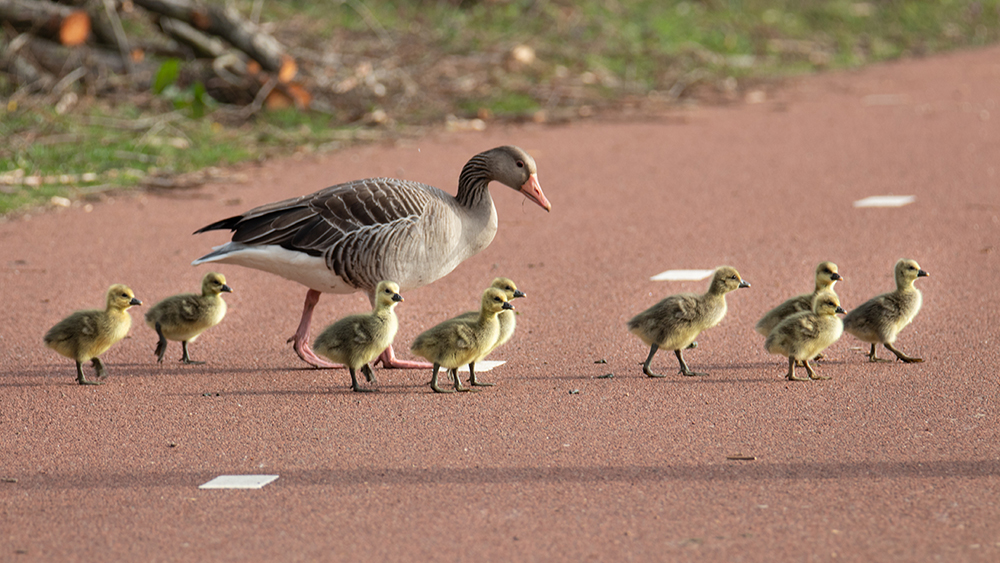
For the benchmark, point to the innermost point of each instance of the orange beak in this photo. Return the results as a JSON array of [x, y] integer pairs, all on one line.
[[533, 191]]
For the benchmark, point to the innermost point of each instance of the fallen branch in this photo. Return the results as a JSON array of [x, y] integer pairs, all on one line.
[[68, 26], [226, 22]]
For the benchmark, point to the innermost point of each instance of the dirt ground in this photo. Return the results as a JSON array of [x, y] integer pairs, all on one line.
[[887, 462]]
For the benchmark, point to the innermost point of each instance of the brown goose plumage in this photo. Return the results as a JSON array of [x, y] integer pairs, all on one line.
[[348, 237]]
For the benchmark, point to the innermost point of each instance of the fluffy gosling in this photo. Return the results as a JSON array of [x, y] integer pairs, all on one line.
[[358, 339], [826, 277], [183, 317], [460, 341], [85, 335], [880, 319], [508, 322], [675, 322], [803, 335]]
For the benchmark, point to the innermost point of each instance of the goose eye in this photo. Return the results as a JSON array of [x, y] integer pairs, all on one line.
[[520, 163]]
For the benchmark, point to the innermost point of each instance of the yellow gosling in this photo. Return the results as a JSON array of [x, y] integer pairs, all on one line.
[[182, 318], [880, 319], [460, 341], [85, 335], [675, 322], [803, 335], [358, 339], [826, 277]]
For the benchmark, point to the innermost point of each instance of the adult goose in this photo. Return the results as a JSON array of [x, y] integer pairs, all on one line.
[[348, 237]]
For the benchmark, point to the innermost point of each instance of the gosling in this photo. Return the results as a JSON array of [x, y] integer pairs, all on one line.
[[184, 317], [880, 319], [803, 335], [826, 277], [356, 340], [508, 322], [675, 322], [85, 335], [460, 341]]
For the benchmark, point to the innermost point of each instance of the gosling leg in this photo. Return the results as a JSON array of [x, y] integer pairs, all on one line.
[[901, 355], [81, 379], [369, 374], [791, 371], [458, 382], [649, 359], [161, 345], [685, 370], [472, 377], [434, 381], [873, 358], [186, 358], [354, 382], [812, 374]]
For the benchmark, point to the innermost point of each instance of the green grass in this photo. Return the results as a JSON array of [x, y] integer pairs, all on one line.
[[590, 52]]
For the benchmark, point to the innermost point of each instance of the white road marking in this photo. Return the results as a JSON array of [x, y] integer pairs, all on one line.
[[885, 201], [682, 275], [238, 482], [484, 365]]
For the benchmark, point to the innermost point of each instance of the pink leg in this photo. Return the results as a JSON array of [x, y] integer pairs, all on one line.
[[388, 359], [301, 337]]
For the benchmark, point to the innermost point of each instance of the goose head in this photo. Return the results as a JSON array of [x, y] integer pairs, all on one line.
[[387, 294], [827, 303], [510, 166], [508, 287], [495, 301], [120, 297], [907, 271], [827, 275], [726, 279], [213, 284]]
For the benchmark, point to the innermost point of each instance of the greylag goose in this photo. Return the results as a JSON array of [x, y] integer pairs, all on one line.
[[348, 237], [183, 317], [85, 335], [826, 277], [508, 322], [675, 322], [356, 340], [460, 341], [803, 335], [880, 319]]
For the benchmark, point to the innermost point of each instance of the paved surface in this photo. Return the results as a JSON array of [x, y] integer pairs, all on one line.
[[886, 462]]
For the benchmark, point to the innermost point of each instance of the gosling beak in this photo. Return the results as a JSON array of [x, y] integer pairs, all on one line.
[[507, 305], [922, 273], [519, 293], [744, 283], [837, 277], [397, 297], [135, 301], [226, 289], [840, 309], [533, 191]]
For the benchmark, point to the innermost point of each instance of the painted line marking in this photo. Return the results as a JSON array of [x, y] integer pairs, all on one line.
[[238, 482], [484, 366], [682, 275], [885, 201]]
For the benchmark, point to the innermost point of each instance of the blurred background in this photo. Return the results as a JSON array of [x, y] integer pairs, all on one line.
[[104, 95]]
